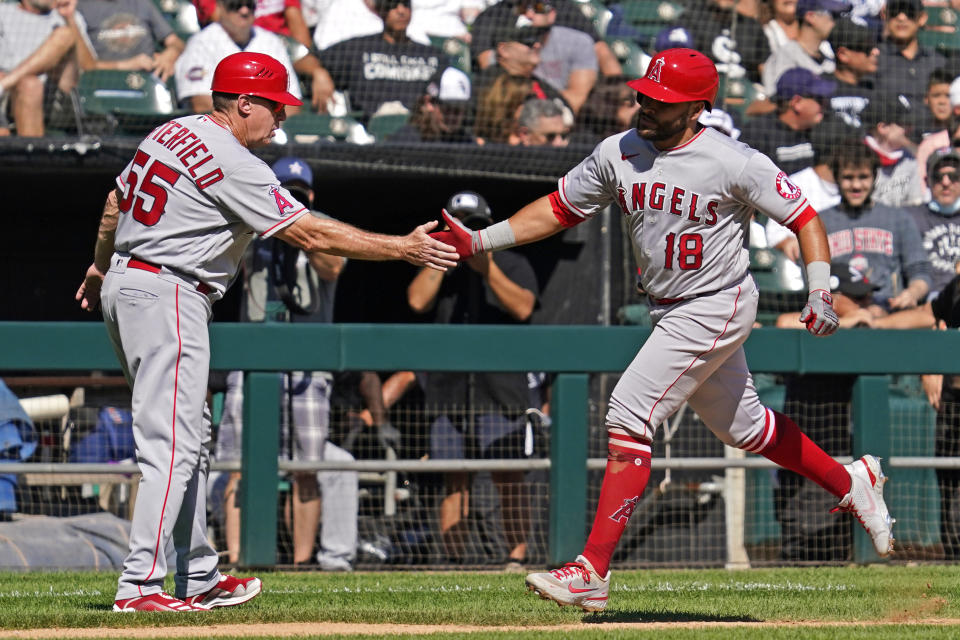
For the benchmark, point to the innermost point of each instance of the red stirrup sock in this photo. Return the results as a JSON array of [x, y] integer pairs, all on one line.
[[628, 469], [784, 443]]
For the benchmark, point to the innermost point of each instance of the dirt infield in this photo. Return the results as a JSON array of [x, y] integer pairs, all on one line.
[[294, 630]]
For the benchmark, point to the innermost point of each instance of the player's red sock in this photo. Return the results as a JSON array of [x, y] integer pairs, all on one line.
[[792, 449], [628, 469]]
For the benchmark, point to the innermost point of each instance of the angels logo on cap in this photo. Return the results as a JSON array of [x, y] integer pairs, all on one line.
[[786, 189]]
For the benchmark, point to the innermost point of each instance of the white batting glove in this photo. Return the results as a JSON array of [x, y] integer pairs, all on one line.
[[818, 315]]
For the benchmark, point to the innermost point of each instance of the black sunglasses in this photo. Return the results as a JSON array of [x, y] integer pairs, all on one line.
[[236, 5], [951, 176], [390, 5], [896, 8], [553, 135], [538, 7]]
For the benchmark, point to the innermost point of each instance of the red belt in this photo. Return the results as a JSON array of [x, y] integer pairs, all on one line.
[[202, 287], [661, 301]]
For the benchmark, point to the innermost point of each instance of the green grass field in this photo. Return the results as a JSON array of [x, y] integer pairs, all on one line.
[[861, 602]]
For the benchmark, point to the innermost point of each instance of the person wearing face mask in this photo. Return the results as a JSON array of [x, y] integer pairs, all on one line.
[[877, 240], [938, 221]]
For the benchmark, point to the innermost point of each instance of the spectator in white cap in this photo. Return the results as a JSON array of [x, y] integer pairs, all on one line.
[[442, 113]]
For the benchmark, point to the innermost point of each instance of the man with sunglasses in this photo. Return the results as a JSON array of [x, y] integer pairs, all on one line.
[[906, 64], [172, 234], [235, 31], [938, 221], [810, 50], [540, 124]]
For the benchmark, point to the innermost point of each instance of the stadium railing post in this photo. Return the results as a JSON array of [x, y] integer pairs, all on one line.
[[568, 467], [871, 434], [258, 484]]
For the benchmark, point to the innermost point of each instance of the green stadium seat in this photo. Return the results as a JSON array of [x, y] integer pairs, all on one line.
[[946, 18], [381, 126], [632, 58], [457, 49], [634, 314], [308, 128], [182, 16], [781, 288], [137, 99], [735, 94], [943, 41], [597, 13], [658, 12]]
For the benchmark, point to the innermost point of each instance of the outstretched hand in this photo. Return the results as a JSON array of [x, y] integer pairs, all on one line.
[[427, 250], [466, 242], [818, 314], [88, 295]]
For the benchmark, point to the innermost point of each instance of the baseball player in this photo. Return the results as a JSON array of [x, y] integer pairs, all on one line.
[[687, 194], [171, 236]]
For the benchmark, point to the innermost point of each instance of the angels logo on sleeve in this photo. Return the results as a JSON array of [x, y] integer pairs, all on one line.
[[283, 205], [622, 199], [786, 188]]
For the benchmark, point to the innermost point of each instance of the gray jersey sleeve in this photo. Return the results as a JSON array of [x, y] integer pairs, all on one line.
[[586, 189], [253, 193], [761, 184]]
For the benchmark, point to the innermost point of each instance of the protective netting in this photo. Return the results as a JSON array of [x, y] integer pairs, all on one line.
[[453, 518]]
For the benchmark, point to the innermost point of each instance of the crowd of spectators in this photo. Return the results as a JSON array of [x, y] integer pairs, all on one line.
[[363, 58]]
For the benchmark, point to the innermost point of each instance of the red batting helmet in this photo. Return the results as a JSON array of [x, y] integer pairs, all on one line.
[[255, 74], [679, 75]]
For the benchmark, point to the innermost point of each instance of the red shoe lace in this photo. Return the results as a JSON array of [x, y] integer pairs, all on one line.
[[851, 509], [571, 570]]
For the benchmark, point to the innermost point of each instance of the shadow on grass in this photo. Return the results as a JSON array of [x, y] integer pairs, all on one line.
[[660, 616]]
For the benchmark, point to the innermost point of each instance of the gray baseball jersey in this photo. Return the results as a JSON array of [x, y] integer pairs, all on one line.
[[688, 208], [182, 172], [192, 198]]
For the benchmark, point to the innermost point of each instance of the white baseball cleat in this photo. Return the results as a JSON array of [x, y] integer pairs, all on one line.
[[575, 584], [229, 592], [865, 502]]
